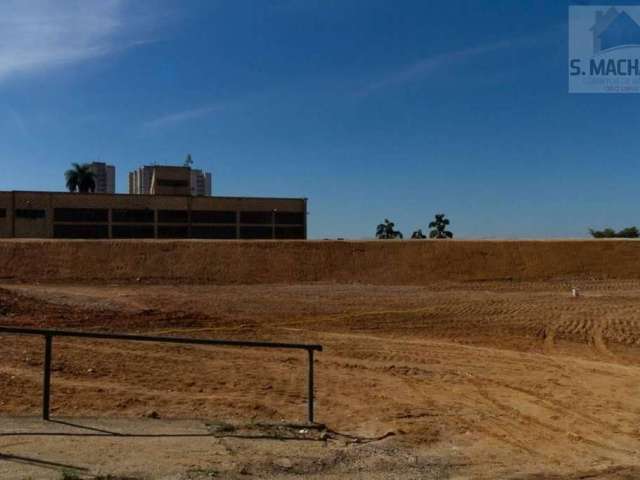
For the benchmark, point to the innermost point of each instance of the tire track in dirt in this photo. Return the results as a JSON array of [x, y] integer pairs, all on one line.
[[114, 388], [541, 403], [501, 426], [512, 419], [549, 335]]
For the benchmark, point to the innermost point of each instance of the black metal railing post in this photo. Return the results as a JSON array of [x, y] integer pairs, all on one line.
[[46, 390], [311, 419]]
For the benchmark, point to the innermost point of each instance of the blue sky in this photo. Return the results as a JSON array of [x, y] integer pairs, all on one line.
[[371, 109]]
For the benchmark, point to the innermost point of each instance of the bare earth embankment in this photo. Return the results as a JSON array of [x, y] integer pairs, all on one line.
[[453, 360]]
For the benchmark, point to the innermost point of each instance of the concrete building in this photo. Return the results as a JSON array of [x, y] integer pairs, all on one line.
[[140, 180], [200, 183], [105, 177], [169, 180], [93, 215]]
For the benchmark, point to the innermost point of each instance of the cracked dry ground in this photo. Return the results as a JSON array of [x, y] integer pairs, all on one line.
[[476, 380]]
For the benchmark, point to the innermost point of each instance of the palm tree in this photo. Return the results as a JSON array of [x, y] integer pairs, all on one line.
[[418, 235], [439, 226], [80, 178], [385, 231]]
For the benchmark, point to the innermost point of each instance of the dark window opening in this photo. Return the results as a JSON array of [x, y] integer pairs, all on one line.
[[3, 212], [290, 218], [172, 183], [81, 215], [204, 216], [133, 216], [132, 231], [213, 232], [256, 217], [294, 233], [256, 232], [173, 232], [30, 213], [173, 216], [80, 231]]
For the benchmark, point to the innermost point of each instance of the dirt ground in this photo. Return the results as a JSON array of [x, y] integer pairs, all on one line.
[[515, 380]]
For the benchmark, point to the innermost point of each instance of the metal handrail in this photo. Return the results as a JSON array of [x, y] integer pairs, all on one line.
[[48, 353]]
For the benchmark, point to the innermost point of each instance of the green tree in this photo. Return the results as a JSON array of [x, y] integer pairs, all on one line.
[[629, 232], [418, 235], [80, 178], [386, 231], [439, 227]]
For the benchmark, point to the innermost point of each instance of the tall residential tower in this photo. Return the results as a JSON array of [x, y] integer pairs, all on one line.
[[105, 177]]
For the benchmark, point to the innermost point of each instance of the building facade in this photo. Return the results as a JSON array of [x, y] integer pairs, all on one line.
[[201, 183], [96, 216], [140, 180], [105, 177], [154, 179], [170, 181]]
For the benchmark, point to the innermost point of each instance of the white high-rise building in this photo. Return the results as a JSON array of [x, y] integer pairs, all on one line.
[[140, 180], [105, 176]]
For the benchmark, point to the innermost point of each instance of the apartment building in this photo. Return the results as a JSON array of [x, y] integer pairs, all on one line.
[[105, 176], [201, 183]]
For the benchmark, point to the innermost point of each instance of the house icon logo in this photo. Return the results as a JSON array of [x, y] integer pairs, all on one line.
[[604, 49], [614, 29]]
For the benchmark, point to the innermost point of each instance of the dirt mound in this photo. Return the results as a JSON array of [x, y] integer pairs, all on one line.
[[373, 262], [26, 311]]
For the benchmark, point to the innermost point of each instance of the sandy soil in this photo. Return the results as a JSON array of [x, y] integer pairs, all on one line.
[[473, 380], [260, 262]]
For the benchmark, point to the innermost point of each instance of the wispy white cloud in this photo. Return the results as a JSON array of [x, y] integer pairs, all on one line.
[[425, 67], [180, 117], [36, 35]]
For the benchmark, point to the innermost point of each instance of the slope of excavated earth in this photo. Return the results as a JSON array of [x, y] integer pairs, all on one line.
[[265, 262], [500, 379]]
